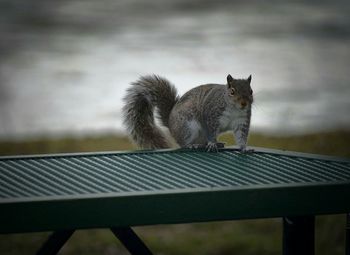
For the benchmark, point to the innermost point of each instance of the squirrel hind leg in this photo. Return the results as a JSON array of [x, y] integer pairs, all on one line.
[[196, 146], [189, 134]]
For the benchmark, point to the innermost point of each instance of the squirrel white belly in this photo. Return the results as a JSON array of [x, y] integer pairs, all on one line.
[[196, 118]]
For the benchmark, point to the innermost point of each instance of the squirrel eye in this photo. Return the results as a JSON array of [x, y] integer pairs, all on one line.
[[251, 91], [232, 92]]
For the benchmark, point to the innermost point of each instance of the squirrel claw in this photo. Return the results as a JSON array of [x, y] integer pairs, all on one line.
[[209, 147], [212, 147], [245, 150]]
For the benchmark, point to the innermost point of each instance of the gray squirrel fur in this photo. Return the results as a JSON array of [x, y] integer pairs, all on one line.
[[196, 118]]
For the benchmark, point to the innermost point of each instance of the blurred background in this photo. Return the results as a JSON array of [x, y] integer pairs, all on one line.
[[65, 66]]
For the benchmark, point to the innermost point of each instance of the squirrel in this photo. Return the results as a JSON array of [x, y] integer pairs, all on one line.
[[195, 119]]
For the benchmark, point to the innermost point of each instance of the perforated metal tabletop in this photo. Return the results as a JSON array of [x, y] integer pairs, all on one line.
[[51, 192]]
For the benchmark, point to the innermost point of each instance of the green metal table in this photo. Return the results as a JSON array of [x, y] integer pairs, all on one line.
[[118, 190]]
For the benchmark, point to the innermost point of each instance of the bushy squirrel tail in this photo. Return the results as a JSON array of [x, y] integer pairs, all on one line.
[[144, 95]]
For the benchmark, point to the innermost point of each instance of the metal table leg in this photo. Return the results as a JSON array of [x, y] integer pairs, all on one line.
[[299, 235], [347, 235]]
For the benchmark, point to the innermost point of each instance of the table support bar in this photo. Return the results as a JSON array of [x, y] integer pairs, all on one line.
[[131, 241]]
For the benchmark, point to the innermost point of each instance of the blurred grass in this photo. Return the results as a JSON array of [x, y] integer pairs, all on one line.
[[65, 145], [246, 237]]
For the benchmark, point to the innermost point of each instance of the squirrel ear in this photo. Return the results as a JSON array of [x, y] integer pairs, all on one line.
[[249, 78], [229, 79]]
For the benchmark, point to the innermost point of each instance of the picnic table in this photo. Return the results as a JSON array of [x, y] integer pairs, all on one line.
[[120, 190]]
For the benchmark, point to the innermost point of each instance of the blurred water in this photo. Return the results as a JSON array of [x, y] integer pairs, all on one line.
[[65, 65]]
